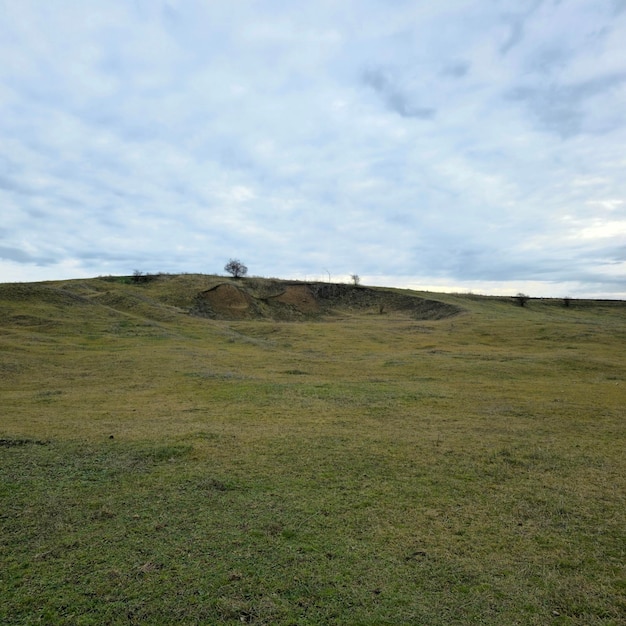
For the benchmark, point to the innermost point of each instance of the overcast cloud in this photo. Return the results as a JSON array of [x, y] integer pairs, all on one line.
[[450, 146]]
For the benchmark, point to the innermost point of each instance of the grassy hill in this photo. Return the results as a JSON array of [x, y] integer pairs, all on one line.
[[193, 449]]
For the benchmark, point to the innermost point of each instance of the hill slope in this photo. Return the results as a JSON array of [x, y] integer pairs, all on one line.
[[161, 297]]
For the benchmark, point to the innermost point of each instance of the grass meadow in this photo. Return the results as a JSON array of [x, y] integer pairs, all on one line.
[[160, 468]]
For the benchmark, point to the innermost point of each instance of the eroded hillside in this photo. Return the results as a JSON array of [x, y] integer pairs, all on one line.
[[282, 300]]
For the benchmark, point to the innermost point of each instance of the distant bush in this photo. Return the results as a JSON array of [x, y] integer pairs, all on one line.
[[522, 298], [139, 277], [123, 280]]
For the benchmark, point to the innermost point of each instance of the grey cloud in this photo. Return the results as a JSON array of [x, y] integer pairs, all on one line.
[[9, 253], [619, 6], [448, 256], [559, 265], [393, 96], [92, 258], [618, 254], [456, 70], [559, 108], [612, 255], [515, 36], [170, 16], [548, 59], [477, 265], [10, 184], [517, 24]]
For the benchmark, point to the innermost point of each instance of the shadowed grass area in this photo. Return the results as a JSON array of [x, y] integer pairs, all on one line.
[[156, 468]]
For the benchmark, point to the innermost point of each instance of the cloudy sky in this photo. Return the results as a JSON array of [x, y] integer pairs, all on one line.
[[457, 145]]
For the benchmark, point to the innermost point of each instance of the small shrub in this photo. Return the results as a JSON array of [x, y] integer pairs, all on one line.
[[139, 277]]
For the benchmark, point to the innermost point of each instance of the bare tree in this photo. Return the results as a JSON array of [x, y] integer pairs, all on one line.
[[236, 268], [356, 279], [139, 277]]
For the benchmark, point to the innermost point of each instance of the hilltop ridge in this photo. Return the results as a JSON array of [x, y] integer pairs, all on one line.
[[154, 299], [162, 296]]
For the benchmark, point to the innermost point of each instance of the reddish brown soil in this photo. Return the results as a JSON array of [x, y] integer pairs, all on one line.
[[228, 301]]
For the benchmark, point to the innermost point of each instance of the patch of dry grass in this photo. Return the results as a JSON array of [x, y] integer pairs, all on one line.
[[369, 469]]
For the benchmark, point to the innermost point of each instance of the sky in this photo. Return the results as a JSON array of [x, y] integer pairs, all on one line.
[[452, 146]]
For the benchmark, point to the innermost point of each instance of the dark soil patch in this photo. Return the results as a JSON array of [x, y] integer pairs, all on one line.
[[11, 442]]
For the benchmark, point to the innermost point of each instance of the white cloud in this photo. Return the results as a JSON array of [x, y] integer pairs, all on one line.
[[607, 205], [462, 144], [603, 230]]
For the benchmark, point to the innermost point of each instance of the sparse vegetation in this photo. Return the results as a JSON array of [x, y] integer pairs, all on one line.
[[139, 277], [160, 468]]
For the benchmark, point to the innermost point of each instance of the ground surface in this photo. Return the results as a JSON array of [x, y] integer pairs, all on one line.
[[437, 460]]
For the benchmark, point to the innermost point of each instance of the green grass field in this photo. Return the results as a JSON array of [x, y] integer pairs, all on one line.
[[160, 468]]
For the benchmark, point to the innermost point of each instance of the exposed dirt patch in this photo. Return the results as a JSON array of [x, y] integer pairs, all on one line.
[[300, 297], [297, 301], [13, 442], [227, 301]]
